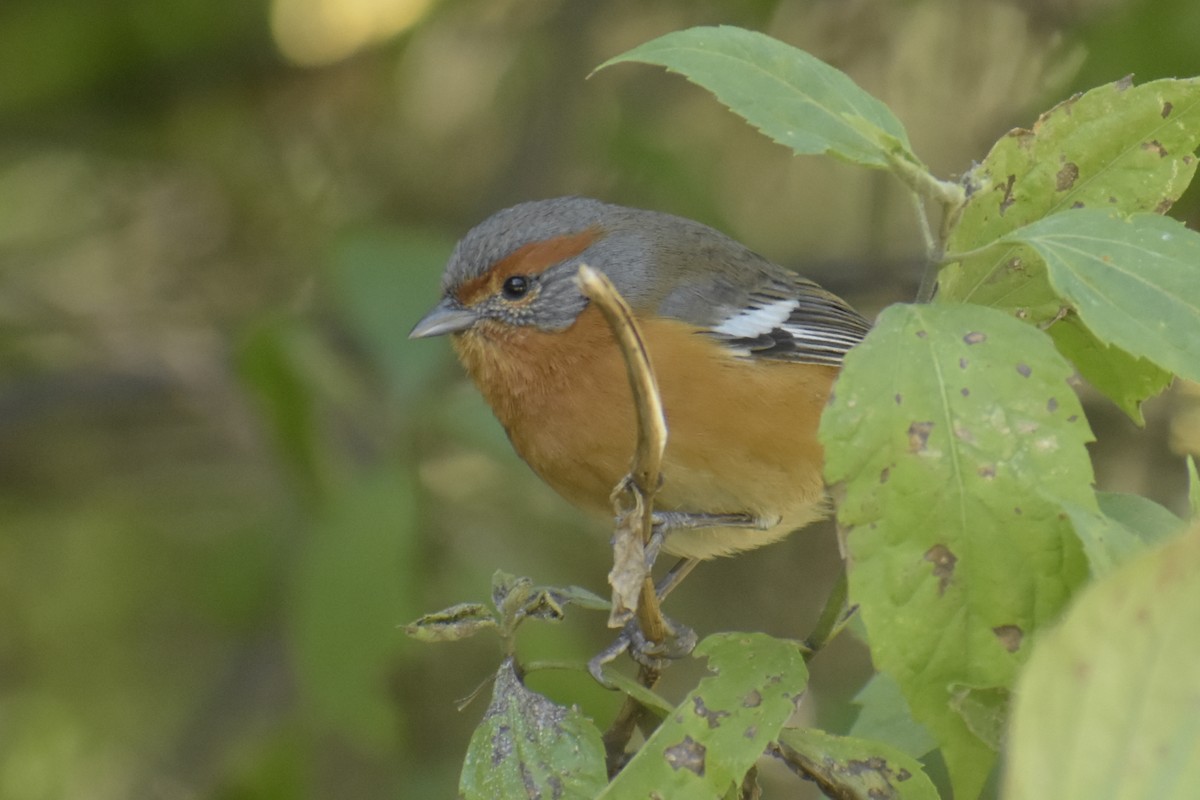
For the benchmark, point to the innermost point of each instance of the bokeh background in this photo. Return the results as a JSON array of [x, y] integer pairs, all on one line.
[[227, 478]]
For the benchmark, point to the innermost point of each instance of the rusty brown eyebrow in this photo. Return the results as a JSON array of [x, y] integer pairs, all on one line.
[[531, 259]]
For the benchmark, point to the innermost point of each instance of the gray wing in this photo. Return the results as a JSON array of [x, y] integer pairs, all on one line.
[[793, 321], [751, 305]]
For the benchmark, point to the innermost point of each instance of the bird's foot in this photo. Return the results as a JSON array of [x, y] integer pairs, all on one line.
[[679, 642]]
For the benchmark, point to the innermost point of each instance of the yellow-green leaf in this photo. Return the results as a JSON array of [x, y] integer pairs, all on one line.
[[956, 436], [1108, 707]]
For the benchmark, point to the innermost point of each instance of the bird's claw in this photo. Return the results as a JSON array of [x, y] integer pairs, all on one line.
[[679, 642]]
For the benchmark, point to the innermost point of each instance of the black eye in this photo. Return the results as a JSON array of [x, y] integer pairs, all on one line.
[[515, 286]]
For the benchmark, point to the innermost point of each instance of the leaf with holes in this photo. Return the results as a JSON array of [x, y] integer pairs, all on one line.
[[527, 746], [1120, 147], [710, 741], [846, 767], [1107, 706], [794, 98], [956, 436], [1134, 282]]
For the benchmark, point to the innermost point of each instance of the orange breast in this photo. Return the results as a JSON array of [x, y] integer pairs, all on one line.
[[741, 432]]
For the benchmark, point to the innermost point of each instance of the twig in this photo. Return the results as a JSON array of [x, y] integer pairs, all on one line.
[[633, 588], [950, 196]]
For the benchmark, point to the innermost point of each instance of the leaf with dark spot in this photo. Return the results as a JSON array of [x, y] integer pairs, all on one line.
[[937, 557], [943, 565], [1066, 176], [1135, 147], [849, 768], [712, 717], [528, 746], [1010, 636], [1156, 147], [724, 725], [918, 436], [688, 754]]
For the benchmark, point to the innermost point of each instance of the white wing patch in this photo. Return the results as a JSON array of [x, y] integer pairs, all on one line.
[[752, 322], [842, 341]]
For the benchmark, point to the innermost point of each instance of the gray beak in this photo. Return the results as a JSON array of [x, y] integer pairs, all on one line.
[[446, 317]]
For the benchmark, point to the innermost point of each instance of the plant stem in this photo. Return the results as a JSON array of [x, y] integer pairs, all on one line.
[[833, 617], [947, 194]]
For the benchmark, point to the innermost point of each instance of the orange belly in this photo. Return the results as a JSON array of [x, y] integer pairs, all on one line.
[[741, 431]]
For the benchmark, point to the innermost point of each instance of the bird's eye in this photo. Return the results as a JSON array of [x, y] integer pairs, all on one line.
[[515, 286]]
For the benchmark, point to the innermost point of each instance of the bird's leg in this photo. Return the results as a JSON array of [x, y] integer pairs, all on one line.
[[680, 642], [675, 576], [681, 639], [668, 522]]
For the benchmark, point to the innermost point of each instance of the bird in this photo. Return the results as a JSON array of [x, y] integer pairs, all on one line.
[[745, 353]]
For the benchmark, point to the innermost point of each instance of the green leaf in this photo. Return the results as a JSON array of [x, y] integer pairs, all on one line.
[[452, 624], [1135, 283], [885, 717], [653, 702], [984, 709], [1107, 542], [517, 598], [956, 436], [1144, 518], [846, 767], [529, 747], [1125, 525], [1107, 706], [510, 593], [1117, 147], [710, 741], [1124, 379], [578, 596], [791, 96]]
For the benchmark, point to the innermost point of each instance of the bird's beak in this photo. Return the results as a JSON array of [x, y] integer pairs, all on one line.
[[446, 317]]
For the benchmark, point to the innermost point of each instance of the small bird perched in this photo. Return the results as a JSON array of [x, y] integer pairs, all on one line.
[[745, 353]]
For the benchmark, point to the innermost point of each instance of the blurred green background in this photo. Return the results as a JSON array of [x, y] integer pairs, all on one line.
[[226, 477]]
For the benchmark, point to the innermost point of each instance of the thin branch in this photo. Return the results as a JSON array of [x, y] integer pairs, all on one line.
[[950, 196], [633, 588], [633, 499]]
